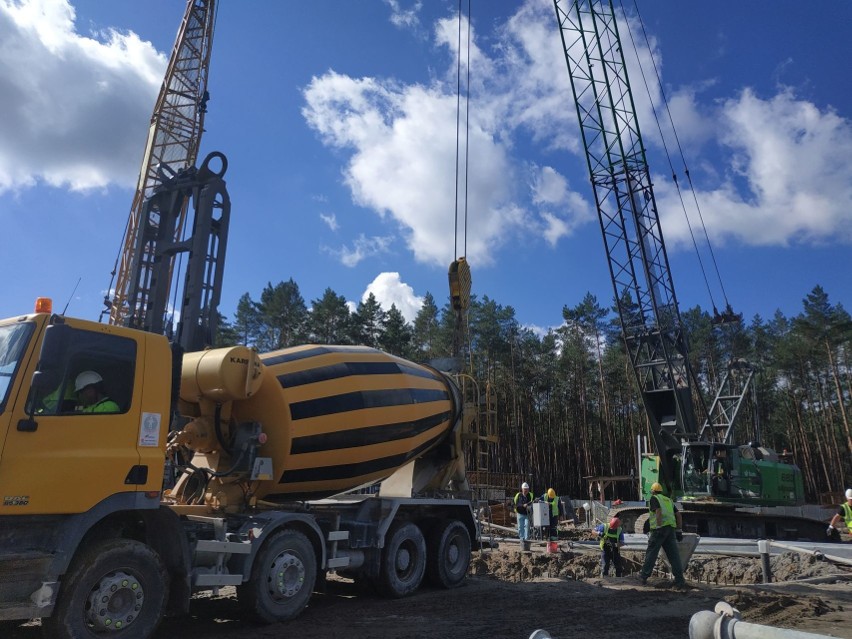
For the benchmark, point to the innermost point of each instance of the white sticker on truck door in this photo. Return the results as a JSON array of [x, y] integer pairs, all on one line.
[[149, 433]]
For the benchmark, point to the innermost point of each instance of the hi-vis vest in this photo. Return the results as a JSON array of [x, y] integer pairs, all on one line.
[[667, 507], [554, 505], [521, 500], [847, 515], [610, 535]]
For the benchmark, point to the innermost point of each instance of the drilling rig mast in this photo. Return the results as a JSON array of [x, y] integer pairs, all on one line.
[[173, 141]]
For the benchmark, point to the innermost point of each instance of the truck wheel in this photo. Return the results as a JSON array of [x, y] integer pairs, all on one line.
[[282, 578], [403, 561], [448, 556], [118, 587]]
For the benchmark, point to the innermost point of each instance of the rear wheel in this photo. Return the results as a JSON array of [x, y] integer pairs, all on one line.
[[117, 588], [282, 578], [403, 561], [448, 556]]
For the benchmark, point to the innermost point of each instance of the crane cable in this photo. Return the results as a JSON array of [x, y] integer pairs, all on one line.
[[467, 130], [671, 166]]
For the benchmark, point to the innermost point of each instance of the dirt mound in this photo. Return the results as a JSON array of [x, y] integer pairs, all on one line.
[[509, 564], [779, 609], [789, 566]]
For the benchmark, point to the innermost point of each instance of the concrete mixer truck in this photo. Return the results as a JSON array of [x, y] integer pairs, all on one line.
[[137, 469], [265, 450]]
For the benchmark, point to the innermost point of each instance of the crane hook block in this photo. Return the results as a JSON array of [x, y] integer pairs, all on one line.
[[460, 284]]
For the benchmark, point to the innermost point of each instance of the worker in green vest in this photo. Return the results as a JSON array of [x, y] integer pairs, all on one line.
[[52, 405], [93, 398], [844, 513], [665, 522], [554, 509], [612, 539], [523, 508]]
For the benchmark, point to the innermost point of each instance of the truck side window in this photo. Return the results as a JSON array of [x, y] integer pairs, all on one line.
[[97, 376]]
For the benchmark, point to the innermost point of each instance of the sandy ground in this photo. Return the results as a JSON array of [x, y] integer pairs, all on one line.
[[510, 594]]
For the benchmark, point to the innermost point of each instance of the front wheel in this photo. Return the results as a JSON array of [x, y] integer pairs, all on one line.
[[403, 561], [282, 578], [448, 554], [117, 588]]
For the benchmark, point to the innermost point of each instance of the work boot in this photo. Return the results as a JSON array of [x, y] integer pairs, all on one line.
[[679, 585], [643, 580]]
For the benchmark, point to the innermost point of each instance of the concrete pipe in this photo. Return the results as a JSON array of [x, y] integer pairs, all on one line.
[[725, 623]]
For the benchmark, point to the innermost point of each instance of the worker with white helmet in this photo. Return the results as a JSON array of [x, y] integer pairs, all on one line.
[[523, 504], [844, 513], [665, 522], [89, 388]]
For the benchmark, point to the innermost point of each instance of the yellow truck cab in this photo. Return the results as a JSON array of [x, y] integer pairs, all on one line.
[[62, 468], [58, 458]]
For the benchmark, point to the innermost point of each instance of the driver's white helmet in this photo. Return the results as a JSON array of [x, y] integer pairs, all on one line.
[[86, 378]]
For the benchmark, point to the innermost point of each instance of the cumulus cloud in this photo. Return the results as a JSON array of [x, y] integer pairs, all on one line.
[[550, 190], [75, 107], [401, 141], [389, 290], [783, 185]]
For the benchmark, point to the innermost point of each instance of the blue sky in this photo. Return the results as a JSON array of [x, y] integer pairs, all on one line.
[[339, 122]]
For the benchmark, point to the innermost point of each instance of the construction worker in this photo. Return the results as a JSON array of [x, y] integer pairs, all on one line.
[[554, 509], [844, 513], [665, 522], [523, 504], [51, 404], [90, 391], [612, 539]]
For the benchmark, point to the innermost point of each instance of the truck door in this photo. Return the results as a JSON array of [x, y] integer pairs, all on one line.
[[76, 450]]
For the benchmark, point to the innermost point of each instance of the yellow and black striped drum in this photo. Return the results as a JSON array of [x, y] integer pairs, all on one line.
[[339, 417]]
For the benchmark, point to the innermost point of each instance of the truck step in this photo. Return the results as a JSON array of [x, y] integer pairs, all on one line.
[[214, 546]]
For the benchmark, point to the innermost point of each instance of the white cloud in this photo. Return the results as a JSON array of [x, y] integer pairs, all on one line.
[[550, 190], [389, 289], [784, 184], [75, 108], [363, 247], [402, 142], [404, 18], [331, 220]]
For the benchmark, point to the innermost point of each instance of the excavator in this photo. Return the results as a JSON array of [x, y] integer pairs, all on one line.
[[723, 489]]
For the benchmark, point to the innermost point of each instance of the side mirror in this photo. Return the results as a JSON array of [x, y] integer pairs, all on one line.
[[53, 347]]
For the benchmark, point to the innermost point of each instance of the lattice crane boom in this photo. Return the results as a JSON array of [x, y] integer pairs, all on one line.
[[174, 137], [627, 210]]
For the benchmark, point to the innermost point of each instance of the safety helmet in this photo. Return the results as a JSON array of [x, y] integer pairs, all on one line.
[[614, 523], [849, 493], [656, 487], [525, 485], [86, 378], [551, 493]]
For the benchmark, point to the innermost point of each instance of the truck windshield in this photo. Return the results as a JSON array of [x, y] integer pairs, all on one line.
[[13, 344]]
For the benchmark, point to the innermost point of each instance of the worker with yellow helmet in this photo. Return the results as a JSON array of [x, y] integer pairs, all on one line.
[[665, 522], [554, 510]]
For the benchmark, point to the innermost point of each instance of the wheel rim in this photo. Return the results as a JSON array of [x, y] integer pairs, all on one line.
[[405, 564], [286, 577], [115, 602], [453, 554]]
